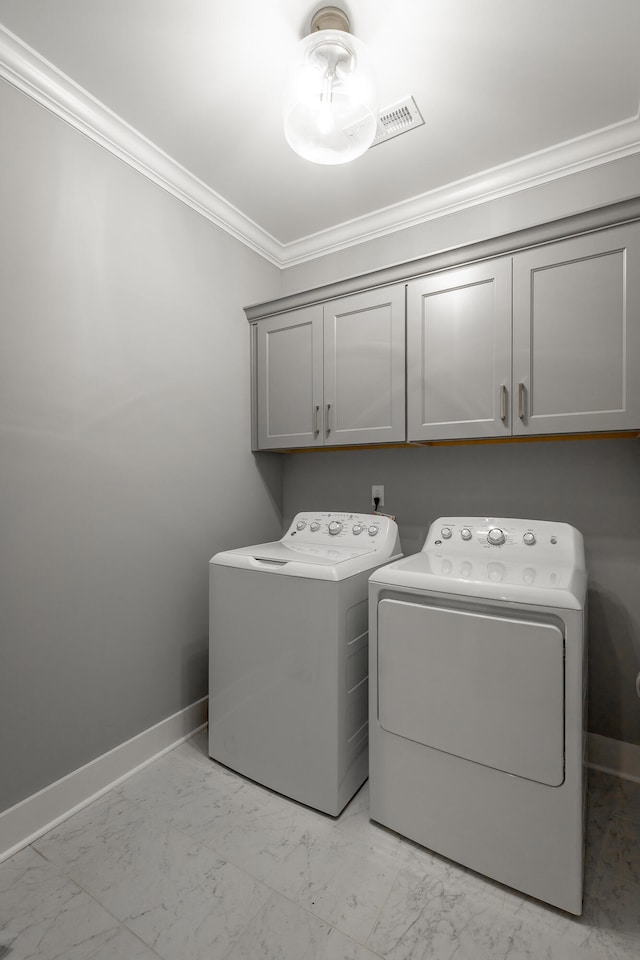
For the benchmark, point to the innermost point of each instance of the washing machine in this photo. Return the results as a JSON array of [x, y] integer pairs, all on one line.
[[288, 656], [477, 682]]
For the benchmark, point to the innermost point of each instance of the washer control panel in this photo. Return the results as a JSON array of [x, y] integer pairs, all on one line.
[[364, 530]]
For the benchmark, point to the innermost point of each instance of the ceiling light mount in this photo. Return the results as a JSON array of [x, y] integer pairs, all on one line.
[[330, 98], [330, 18]]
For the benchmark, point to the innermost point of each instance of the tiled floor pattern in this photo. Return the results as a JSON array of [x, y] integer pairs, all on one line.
[[186, 861]]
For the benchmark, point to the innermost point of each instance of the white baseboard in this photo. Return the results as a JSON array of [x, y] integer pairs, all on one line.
[[29, 819], [614, 756]]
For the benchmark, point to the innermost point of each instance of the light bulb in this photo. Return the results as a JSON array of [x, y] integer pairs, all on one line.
[[325, 119], [330, 99]]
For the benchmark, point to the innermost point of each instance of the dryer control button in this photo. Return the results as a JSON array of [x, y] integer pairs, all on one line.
[[445, 533], [465, 533], [357, 528], [529, 539], [301, 524], [373, 531], [496, 536], [335, 527], [314, 526]]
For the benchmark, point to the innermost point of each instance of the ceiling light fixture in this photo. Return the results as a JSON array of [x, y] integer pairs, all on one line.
[[330, 98]]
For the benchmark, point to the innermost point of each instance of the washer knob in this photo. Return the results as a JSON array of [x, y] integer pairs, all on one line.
[[372, 531], [445, 533], [529, 539], [357, 528], [496, 536], [301, 524], [314, 526], [335, 527], [465, 533]]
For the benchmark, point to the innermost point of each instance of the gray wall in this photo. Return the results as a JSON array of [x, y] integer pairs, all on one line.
[[124, 445], [592, 484]]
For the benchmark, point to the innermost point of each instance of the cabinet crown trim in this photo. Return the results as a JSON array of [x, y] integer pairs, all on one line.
[[599, 218]]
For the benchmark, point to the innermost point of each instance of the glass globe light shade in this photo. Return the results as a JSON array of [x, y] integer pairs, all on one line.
[[330, 98]]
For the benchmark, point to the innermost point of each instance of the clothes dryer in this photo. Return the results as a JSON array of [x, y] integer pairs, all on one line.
[[477, 700], [288, 656]]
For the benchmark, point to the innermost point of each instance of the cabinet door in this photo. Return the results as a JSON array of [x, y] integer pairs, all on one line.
[[289, 380], [364, 368], [459, 353], [576, 334]]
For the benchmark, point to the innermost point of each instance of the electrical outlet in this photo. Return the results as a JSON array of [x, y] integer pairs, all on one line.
[[377, 492]]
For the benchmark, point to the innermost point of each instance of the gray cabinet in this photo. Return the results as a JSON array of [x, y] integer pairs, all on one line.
[[459, 353], [544, 342], [288, 370], [332, 374], [576, 334]]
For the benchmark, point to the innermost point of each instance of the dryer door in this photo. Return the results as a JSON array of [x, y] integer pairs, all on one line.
[[482, 687]]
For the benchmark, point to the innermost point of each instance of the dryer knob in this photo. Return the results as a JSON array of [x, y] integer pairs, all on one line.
[[465, 533], [445, 533], [357, 528], [301, 524], [529, 539], [373, 531], [335, 527], [314, 526], [496, 536]]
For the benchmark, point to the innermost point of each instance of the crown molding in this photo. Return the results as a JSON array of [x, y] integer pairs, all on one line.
[[582, 153], [39, 79]]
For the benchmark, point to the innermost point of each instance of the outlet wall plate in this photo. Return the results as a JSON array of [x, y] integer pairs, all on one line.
[[377, 491]]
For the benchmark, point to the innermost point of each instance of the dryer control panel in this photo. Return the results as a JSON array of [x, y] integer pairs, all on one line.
[[512, 539], [503, 550], [361, 531]]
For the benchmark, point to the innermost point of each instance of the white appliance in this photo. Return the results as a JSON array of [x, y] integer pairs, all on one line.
[[477, 700], [288, 656]]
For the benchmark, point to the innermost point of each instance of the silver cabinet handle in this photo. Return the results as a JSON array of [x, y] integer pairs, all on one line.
[[503, 402], [328, 425], [316, 411], [521, 400]]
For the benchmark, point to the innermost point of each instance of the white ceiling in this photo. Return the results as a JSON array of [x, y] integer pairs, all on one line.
[[496, 81]]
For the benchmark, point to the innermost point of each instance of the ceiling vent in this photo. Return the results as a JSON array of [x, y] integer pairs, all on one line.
[[397, 119]]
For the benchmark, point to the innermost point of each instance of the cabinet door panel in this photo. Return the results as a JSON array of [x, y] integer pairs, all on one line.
[[577, 334], [289, 380], [459, 353], [364, 368]]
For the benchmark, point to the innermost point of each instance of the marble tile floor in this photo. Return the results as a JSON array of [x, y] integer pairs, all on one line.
[[187, 861]]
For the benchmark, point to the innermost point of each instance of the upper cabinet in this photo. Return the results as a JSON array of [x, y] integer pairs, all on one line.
[[288, 368], [541, 341], [547, 341], [459, 353], [576, 334], [332, 374]]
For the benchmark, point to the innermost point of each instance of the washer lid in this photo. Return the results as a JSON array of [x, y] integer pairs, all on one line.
[[309, 561], [494, 579], [322, 546], [300, 552]]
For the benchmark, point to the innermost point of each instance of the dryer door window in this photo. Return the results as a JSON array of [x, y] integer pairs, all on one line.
[[486, 688]]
